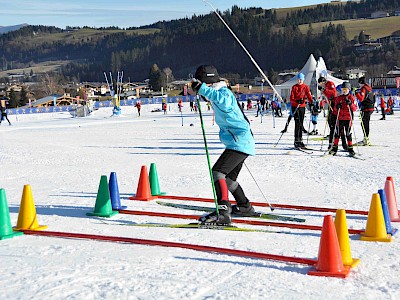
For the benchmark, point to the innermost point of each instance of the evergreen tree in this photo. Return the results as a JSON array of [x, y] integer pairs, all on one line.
[[13, 99], [23, 97], [155, 78]]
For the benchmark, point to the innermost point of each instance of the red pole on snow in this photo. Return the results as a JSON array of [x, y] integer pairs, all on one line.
[[227, 251]]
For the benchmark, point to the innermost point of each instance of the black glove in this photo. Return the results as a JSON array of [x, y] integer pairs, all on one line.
[[196, 84], [348, 101], [339, 105], [300, 101], [320, 88]]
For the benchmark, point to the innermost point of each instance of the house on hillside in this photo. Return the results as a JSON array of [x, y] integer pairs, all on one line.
[[379, 14], [355, 73], [364, 48]]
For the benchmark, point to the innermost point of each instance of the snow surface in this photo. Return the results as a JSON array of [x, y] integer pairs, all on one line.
[[62, 158]]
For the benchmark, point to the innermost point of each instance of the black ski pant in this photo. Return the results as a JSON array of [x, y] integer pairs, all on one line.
[[343, 130], [332, 124], [228, 167], [383, 113], [4, 116], [298, 123], [366, 117]]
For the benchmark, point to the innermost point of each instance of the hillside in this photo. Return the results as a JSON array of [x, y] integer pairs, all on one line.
[[278, 40], [377, 28]]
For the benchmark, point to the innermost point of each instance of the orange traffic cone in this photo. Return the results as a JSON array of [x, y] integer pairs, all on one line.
[[143, 192], [27, 218], [391, 200], [343, 238], [376, 227], [329, 262]]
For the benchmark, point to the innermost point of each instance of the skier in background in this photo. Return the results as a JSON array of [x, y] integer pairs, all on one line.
[[138, 105], [382, 104], [3, 103], [299, 95], [367, 99]]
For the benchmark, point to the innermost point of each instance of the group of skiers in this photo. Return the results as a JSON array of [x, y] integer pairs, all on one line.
[[340, 116]]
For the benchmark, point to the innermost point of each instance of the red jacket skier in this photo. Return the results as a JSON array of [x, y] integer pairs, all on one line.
[[298, 96], [344, 106], [367, 99], [382, 104]]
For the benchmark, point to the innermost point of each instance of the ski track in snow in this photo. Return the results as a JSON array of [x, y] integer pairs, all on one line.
[[62, 158]]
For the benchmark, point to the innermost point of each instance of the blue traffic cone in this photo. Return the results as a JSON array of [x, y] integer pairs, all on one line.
[[385, 208], [114, 192]]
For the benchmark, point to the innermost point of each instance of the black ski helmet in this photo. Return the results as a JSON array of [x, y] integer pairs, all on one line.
[[346, 85], [321, 79], [207, 74], [361, 80]]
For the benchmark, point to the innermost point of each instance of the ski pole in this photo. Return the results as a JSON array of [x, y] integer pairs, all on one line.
[[354, 132], [244, 48], [269, 204], [323, 135], [207, 154], [309, 124], [287, 123]]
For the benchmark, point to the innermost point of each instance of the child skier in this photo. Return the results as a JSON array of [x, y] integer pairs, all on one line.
[[315, 110], [236, 135], [344, 106]]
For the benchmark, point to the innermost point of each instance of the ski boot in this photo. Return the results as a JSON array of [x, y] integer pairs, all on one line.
[[243, 211], [333, 150], [351, 151], [224, 217]]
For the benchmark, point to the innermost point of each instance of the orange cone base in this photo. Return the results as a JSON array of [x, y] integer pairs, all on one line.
[[143, 199], [342, 274], [353, 263], [386, 239], [9, 236], [40, 227], [113, 213]]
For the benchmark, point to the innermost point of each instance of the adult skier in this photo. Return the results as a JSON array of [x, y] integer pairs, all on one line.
[[367, 99], [298, 96], [236, 135]]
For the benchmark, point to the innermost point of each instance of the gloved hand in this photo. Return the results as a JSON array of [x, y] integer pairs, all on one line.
[[339, 105], [196, 84], [300, 101], [348, 101], [320, 88]]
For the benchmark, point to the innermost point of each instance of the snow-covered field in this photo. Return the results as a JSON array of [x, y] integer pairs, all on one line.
[[62, 158]]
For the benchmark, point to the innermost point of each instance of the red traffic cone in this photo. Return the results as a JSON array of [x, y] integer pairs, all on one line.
[[391, 200], [143, 192], [329, 262]]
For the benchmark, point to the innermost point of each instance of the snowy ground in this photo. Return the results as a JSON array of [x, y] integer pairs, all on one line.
[[62, 158]]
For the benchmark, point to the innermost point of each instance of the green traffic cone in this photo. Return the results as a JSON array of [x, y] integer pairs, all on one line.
[[6, 231], [103, 206], [154, 184]]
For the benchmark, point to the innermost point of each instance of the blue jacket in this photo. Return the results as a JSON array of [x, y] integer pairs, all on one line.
[[235, 132]]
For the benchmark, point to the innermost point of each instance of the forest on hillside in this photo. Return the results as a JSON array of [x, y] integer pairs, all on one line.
[[181, 45]]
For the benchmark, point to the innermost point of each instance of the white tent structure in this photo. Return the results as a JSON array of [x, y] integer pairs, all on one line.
[[312, 71]]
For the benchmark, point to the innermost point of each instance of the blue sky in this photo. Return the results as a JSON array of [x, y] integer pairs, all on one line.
[[123, 13]]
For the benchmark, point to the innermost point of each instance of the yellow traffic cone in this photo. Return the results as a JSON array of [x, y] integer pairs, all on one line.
[[27, 218], [344, 240], [376, 228]]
